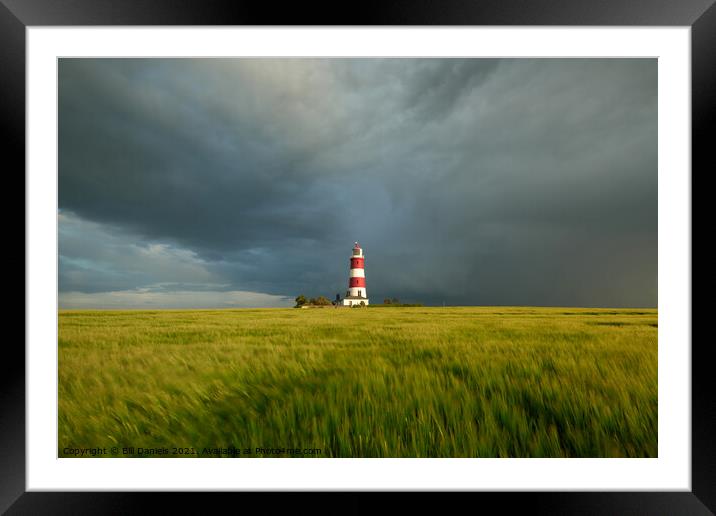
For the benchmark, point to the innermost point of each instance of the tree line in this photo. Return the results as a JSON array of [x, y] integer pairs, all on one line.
[[314, 301], [302, 300]]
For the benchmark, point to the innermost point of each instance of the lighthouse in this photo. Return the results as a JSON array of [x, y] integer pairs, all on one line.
[[356, 281]]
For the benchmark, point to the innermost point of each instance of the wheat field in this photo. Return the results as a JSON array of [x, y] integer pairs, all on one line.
[[326, 382]]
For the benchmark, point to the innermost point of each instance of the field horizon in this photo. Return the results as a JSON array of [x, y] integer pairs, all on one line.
[[325, 307], [432, 381]]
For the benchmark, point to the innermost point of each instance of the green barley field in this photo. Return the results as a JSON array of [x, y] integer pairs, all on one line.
[[369, 382]]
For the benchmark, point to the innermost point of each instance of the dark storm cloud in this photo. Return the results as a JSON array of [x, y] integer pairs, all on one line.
[[526, 181]]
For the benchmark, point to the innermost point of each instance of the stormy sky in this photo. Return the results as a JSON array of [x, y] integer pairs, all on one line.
[[245, 182]]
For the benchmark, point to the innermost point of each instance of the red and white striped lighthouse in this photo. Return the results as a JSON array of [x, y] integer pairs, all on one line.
[[356, 282]]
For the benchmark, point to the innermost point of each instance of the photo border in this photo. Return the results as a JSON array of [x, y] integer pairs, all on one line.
[[699, 15]]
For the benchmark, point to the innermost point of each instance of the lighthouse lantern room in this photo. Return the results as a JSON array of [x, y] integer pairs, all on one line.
[[356, 293]]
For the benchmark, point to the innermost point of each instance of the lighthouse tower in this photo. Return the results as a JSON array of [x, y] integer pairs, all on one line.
[[356, 282]]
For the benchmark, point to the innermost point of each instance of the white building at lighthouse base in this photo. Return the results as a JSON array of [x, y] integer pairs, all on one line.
[[354, 300]]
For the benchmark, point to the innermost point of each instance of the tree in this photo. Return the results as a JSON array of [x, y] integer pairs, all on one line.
[[300, 301], [386, 301], [321, 301]]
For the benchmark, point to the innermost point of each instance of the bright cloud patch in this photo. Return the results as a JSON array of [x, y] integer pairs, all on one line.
[[149, 298]]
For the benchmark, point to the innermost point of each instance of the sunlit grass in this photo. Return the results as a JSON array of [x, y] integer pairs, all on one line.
[[403, 382]]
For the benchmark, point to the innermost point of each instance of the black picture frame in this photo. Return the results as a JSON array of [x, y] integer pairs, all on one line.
[[17, 15]]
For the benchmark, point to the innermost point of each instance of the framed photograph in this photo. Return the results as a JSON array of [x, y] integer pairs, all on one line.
[[514, 313]]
